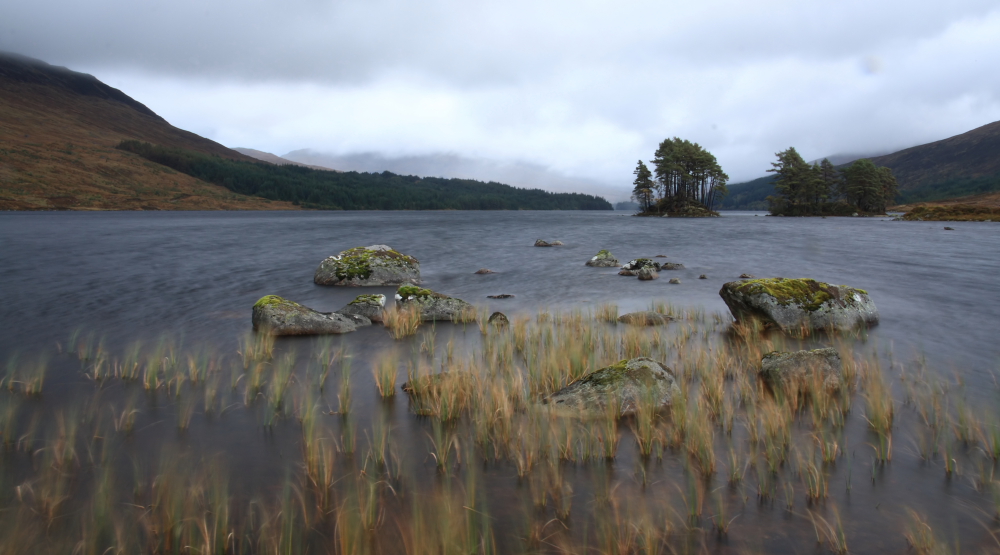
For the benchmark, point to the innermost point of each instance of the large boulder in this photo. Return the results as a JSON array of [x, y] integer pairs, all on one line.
[[375, 265], [434, 306], [645, 318], [794, 304], [603, 259], [277, 316], [797, 369], [628, 382], [369, 306], [632, 267]]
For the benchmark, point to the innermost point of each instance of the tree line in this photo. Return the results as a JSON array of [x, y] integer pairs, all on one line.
[[688, 179], [330, 190], [817, 189]]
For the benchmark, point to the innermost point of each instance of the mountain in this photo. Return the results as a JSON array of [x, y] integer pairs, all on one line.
[[58, 132], [275, 159], [956, 167]]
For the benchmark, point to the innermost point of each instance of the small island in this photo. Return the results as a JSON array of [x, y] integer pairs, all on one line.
[[688, 182]]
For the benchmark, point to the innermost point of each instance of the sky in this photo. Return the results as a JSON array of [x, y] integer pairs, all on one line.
[[571, 94]]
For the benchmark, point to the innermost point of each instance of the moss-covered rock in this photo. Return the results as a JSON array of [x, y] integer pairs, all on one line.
[[603, 259], [369, 306], [793, 304], [498, 319], [796, 370], [627, 384], [375, 265], [278, 316], [435, 306], [632, 267]]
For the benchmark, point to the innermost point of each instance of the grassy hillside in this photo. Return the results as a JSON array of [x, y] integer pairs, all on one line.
[[968, 158], [750, 195], [359, 191], [58, 130]]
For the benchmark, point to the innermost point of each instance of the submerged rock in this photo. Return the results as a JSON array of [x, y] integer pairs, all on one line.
[[702, 276], [499, 319], [368, 266], [671, 266], [369, 306], [434, 306], [500, 296], [603, 259], [484, 271], [747, 276], [675, 281], [632, 267], [629, 382], [542, 243], [645, 318], [797, 369], [647, 274], [277, 316], [793, 304]]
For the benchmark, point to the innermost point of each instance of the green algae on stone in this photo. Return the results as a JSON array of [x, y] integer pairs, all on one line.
[[624, 385], [799, 304], [368, 266]]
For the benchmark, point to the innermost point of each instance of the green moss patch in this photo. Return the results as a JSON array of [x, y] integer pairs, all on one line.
[[807, 293], [269, 300], [357, 263], [407, 291], [611, 375], [367, 299]]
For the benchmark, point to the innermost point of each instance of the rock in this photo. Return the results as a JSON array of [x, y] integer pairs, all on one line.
[[277, 316], [671, 266], [702, 276], [369, 306], [647, 274], [949, 228], [660, 256], [747, 276], [484, 271], [556, 243], [359, 320], [627, 382], [793, 304], [435, 306], [500, 296], [797, 369], [603, 259], [632, 267], [541, 243], [675, 281], [499, 319], [376, 265], [645, 318]]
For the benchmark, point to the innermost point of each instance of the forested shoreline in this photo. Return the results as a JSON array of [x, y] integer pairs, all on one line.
[[329, 190], [820, 189]]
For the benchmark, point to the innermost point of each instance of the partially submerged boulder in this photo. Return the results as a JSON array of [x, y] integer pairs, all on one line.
[[603, 259], [793, 304], [627, 385], [434, 306], [543, 243], [671, 266], [500, 296], [645, 318], [647, 274], [675, 281], [277, 316], [800, 368], [375, 265], [632, 267], [484, 271], [371, 307], [499, 319]]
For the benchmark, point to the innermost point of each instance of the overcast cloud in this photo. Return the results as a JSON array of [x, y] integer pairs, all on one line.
[[578, 89]]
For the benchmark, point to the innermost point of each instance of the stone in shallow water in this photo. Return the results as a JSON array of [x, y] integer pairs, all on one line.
[[499, 319], [484, 271], [647, 274], [702, 276], [675, 281], [796, 304], [369, 306], [375, 265], [603, 259], [645, 318], [277, 316], [632, 383], [798, 368], [434, 307], [500, 296]]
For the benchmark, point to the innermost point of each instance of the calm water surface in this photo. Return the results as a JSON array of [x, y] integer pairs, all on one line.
[[130, 276]]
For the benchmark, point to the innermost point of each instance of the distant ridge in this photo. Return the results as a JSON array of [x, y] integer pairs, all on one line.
[[964, 165], [275, 159]]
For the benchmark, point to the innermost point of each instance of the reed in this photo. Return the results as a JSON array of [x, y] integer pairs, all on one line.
[[607, 312], [402, 322]]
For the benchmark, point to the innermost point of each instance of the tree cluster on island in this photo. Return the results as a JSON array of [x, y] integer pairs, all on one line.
[[820, 189], [689, 181], [329, 190]]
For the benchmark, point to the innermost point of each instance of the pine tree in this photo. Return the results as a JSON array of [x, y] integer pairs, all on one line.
[[643, 190]]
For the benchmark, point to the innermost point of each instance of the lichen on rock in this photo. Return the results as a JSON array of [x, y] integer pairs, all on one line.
[[374, 265], [792, 304], [625, 386], [435, 306], [799, 370], [603, 259], [278, 316], [369, 306]]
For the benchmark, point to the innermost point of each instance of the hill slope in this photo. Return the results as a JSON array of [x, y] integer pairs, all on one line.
[[953, 168], [58, 130], [275, 159]]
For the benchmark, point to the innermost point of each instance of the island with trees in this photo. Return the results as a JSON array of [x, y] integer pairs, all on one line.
[[820, 189], [688, 181]]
